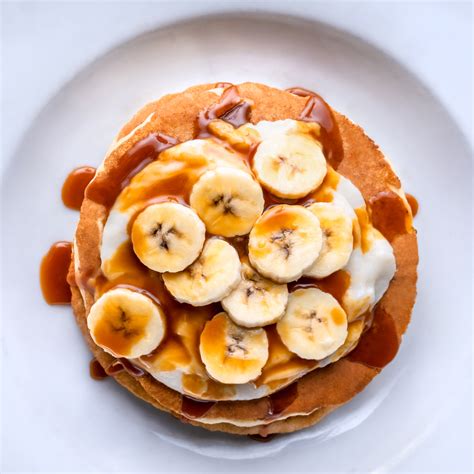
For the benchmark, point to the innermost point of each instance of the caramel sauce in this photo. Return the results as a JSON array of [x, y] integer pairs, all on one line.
[[271, 200], [72, 192], [248, 158], [53, 273], [361, 232], [413, 203], [121, 365], [338, 316], [231, 108], [379, 344], [193, 408], [172, 354], [276, 218], [317, 110], [335, 284], [389, 214], [96, 371], [300, 92], [105, 189], [279, 401], [176, 188], [325, 191], [237, 115], [240, 243]]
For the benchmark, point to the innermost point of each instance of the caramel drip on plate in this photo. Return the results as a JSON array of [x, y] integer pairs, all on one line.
[[53, 274], [74, 186], [412, 201], [96, 371]]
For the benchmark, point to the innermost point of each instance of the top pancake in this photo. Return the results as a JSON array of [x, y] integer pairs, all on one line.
[[363, 163]]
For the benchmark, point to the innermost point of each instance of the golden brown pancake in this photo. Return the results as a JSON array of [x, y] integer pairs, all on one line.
[[319, 392]]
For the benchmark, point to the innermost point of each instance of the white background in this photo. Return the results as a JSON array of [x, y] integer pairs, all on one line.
[[45, 44]]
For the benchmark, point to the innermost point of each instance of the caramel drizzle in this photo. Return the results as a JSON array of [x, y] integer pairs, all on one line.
[[96, 371], [279, 401], [413, 203], [231, 108], [389, 214], [53, 274], [195, 408], [317, 110], [72, 192], [104, 189]]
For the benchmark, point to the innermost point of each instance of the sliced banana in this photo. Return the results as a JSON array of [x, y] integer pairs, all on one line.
[[285, 242], [314, 324], [126, 323], [167, 237], [210, 278], [289, 166], [336, 226], [231, 354], [228, 200], [256, 301]]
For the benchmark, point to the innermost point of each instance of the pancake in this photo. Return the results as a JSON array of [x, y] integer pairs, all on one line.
[[320, 391]]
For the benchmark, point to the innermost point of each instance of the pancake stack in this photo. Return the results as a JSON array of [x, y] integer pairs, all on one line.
[[245, 258]]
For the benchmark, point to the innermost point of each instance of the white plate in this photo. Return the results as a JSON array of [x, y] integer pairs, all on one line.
[[50, 403]]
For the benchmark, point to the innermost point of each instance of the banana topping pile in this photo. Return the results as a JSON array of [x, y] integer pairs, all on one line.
[[235, 264]]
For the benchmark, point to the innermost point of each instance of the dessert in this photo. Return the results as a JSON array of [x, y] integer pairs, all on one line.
[[245, 258]]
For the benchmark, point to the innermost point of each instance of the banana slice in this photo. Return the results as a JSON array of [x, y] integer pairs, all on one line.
[[228, 200], [126, 323], [285, 242], [289, 166], [167, 237], [256, 301], [314, 324], [232, 354], [336, 250], [210, 278]]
